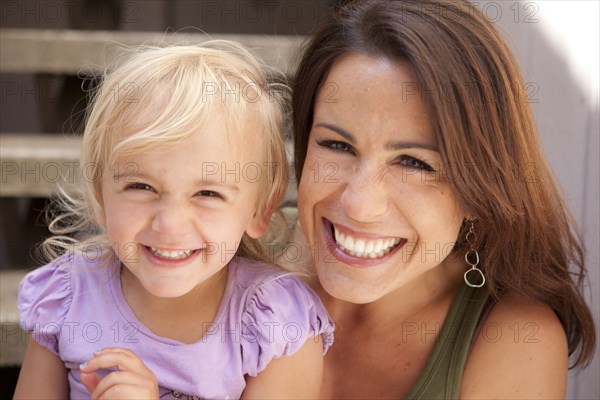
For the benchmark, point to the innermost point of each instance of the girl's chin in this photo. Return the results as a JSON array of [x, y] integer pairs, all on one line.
[[171, 291]]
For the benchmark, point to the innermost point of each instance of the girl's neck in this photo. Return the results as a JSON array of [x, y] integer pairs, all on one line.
[[183, 318]]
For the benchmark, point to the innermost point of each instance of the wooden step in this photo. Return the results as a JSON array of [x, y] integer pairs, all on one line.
[[70, 51], [13, 339], [33, 164]]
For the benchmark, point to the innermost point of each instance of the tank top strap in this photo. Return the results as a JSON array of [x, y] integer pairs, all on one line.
[[441, 378]]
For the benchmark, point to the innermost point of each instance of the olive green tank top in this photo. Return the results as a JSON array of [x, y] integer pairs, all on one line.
[[441, 378]]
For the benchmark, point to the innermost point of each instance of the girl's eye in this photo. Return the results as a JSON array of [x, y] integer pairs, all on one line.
[[336, 146], [210, 193], [139, 186], [415, 163]]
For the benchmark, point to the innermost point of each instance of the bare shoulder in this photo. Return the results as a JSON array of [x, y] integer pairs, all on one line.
[[520, 352], [43, 375], [297, 376]]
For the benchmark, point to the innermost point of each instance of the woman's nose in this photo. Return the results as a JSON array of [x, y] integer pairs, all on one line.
[[365, 196]]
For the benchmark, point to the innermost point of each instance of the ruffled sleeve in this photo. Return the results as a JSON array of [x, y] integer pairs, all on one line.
[[45, 297], [280, 316]]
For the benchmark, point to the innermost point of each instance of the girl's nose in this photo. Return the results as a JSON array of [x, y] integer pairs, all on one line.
[[171, 218]]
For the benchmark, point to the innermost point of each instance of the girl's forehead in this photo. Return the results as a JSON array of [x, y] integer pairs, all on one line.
[[160, 115], [147, 130]]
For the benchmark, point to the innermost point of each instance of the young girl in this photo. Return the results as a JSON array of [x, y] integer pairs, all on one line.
[[167, 293]]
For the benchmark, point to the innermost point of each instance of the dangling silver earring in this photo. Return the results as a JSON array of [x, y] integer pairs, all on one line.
[[472, 258]]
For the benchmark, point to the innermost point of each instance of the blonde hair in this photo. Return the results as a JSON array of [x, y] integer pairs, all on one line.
[[191, 82]]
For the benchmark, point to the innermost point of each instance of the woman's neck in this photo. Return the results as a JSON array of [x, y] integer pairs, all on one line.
[[390, 337], [415, 298]]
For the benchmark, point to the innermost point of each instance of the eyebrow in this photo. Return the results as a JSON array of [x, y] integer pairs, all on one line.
[[215, 182], [337, 130], [388, 146], [129, 176]]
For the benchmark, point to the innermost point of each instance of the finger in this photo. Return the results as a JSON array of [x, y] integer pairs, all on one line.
[[90, 381], [122, 350], [122, 383], [108, 359], [129, 393], [117, 350]]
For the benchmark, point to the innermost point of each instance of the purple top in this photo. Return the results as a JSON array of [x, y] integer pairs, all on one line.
[[75, 306]]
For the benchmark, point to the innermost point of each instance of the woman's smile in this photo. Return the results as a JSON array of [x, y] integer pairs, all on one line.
[[386, 217], [360, 248]]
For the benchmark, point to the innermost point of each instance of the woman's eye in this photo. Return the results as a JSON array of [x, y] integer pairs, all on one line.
[[210, 193], [139, 186], [336, 146], [415, 163]]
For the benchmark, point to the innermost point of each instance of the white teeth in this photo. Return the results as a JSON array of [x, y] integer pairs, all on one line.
[[359, 246], [349, 243], [171, 254], [364, 248]]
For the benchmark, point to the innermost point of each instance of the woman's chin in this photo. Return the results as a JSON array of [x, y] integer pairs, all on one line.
[[348, 289]]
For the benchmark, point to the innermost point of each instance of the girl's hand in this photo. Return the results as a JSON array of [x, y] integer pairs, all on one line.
[[131, 380]]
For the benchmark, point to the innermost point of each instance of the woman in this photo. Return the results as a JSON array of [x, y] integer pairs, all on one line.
[[440, 243]]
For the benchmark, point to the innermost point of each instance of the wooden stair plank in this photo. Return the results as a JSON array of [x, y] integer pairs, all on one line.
[[33, 164], [70, 51]]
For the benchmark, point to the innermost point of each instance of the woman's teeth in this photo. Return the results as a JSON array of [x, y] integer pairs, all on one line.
[[364, 248], [171, 254]]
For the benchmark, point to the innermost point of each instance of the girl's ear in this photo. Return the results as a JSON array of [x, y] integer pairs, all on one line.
[[98, 216], [258, 226]]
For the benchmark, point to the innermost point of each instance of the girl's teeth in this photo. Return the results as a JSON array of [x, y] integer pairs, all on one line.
[[364, 248], [171, 254]]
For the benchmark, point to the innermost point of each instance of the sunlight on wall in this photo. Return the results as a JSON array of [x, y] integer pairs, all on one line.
[[572, 26]]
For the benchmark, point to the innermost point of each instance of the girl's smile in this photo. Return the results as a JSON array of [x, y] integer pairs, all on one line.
[[170, 258], [173, 224]]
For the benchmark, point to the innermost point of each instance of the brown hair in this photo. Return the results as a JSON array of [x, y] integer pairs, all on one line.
[[475, 97]]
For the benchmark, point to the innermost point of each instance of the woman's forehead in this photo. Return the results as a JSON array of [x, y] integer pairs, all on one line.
[[368, 93]]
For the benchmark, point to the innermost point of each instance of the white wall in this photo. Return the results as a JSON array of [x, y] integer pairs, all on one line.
[[557, 44]]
